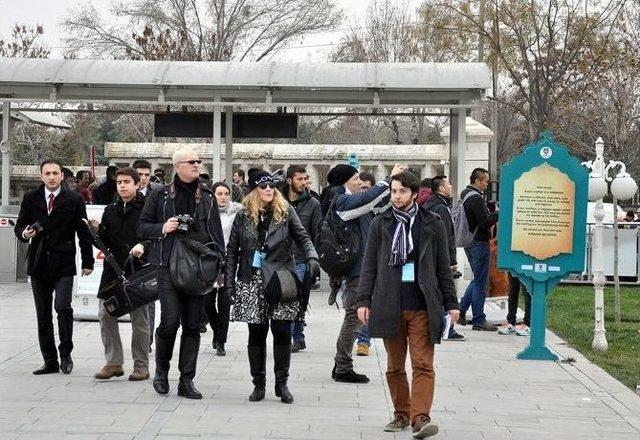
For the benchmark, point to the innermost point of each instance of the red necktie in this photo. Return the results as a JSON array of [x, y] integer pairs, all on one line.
[[50, 206]]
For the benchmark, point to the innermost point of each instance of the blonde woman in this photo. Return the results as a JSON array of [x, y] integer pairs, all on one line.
[[260, 269]]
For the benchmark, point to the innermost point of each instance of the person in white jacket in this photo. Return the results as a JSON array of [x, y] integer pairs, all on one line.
[[219, 317]]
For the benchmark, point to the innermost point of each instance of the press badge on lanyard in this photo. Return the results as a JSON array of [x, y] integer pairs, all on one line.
[[408, 272], [258, 259]]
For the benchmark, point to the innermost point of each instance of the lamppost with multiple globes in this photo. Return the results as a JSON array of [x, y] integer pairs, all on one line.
[[623, 187]]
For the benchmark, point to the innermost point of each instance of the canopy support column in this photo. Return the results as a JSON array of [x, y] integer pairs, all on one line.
[[5, 148], [217, 149], [458, 149], [228, 138]]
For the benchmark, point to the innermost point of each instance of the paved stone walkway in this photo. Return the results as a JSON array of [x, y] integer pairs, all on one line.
[[482, 391]]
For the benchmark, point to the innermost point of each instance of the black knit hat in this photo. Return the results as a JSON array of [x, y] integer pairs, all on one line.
[[260, 176], [340, 174]]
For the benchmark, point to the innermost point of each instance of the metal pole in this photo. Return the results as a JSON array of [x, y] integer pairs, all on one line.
[[5, 148], [228, 138], [616, 275], [217, 150], [599, 332]]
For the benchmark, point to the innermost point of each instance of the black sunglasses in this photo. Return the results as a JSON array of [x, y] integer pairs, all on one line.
[[192, 162], [267, 184]]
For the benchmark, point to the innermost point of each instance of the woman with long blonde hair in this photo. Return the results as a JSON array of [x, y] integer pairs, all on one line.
[[260, 277]]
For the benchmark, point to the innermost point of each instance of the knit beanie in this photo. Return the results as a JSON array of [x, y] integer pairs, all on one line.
[[339, 174]]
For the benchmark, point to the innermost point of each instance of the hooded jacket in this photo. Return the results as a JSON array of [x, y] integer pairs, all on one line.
[[441, 205], [310, 215]]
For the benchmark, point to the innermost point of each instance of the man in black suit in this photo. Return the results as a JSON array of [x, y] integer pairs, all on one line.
[[50, 216]]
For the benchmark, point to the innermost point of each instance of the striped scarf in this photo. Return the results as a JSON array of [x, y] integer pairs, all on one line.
[[402, 244]]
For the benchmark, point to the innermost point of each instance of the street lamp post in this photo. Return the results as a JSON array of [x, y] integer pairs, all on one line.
[[623, 187]]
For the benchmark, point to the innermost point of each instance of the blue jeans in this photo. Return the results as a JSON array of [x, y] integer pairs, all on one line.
[[363, 335], [297, 327], [474, 296]]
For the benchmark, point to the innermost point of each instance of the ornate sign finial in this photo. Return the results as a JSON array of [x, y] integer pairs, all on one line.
[[547, 134]]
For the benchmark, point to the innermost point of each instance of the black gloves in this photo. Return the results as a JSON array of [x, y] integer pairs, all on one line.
[[313, 269]]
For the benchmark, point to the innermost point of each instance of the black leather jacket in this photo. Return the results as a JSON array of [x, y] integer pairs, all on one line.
[[159, 207], [244, 241]]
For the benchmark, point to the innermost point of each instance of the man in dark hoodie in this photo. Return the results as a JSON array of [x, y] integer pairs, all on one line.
[[105, 193], [480, 221], [440, 203], [308, 209]]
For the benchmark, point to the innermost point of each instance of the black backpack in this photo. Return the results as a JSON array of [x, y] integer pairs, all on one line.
[[338, 244]]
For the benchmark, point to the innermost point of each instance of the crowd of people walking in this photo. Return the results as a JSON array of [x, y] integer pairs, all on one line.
[[388, 248]]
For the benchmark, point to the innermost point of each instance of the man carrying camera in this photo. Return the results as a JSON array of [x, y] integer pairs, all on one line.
[[50, 216], [188, 208]]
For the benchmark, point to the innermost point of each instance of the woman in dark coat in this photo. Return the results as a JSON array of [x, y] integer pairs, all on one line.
[[261, 244]]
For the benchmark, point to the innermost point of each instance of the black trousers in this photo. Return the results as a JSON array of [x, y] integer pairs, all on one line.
[[281, 331], [514, 293], [177, 309], [218, 317], [43, 289]]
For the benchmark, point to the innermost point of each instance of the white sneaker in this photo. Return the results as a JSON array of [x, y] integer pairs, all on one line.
[[507, 329], [523, 330]]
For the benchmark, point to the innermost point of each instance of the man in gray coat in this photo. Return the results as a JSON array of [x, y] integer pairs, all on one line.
[[405, 288]]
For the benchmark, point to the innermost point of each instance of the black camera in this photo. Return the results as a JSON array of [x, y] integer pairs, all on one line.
[[37, 227], [184, 222]]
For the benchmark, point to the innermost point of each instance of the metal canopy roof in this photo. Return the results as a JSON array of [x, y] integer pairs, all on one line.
[[375, 85]]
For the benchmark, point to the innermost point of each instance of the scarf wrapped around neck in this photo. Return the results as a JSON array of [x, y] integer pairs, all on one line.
[[402, 244]]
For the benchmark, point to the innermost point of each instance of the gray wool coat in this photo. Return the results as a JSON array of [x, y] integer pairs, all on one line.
[[380, 284]]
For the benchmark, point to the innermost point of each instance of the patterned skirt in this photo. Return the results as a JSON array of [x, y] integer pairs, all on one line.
[[250, 306]]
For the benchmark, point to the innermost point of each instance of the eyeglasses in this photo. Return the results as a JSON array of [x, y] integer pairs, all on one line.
[[266, 185], [192, 162]]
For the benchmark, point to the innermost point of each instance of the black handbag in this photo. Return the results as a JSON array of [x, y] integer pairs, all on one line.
[[129, 291], [283, 287], [194, 266], [138, 288]]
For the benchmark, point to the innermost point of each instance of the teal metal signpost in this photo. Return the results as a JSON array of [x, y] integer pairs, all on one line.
[[542, 227]]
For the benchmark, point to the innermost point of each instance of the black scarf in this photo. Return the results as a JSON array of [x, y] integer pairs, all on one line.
[[402, 240], [185, 201]]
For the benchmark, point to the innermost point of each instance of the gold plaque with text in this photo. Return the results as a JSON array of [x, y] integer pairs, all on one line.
[[543, 212]]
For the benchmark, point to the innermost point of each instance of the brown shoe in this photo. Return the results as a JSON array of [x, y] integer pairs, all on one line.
[[423, 427], [109, 371], [399, 423], [363, 350], [139, 374]]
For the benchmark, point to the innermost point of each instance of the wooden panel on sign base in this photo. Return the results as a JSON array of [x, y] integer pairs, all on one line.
[[543, 212]]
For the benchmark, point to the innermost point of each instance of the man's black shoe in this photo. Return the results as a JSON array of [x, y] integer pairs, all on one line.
[[298, 346], [455, 336], [220, 351], [462, 320], [47, 369], [485, 326], [188, 390], [66, 365], [350, 377]]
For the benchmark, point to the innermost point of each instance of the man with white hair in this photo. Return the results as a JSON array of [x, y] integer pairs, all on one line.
[[160, 223]]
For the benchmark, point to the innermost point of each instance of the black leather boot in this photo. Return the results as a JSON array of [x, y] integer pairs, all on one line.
[[189, 346], [281, 361], [164, 351], [258, 366]]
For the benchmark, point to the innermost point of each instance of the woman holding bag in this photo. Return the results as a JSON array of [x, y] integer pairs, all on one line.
[[260, 276]]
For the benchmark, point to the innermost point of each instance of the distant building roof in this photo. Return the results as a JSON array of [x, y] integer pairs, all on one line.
[[40, 118]]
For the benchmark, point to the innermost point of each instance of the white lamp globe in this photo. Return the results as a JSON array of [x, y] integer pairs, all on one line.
[[623, 187], [597, 188]]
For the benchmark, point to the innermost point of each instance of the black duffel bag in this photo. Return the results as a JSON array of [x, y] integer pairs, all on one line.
[[194, 266], [137, 288]]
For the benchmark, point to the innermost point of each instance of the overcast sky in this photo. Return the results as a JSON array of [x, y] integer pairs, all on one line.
[[50, 12]]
